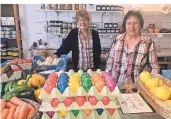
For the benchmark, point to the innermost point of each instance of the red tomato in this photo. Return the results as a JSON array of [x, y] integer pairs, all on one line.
[[92, 100], [68, 101], [80, 100], [105, 100], [54, 102]]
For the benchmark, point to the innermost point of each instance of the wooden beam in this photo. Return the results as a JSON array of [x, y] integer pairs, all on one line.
[[18, 38]]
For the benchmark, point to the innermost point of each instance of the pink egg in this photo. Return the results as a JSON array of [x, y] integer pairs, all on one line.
[[108, 77], [104, 74], [110, 84]]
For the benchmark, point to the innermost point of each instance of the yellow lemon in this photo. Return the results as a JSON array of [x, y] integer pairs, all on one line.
[[144, 76], [63, 113], [151, 83], [152, 90], [162, 93]]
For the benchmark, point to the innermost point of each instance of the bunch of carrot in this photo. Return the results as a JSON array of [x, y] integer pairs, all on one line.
[[16, 109]]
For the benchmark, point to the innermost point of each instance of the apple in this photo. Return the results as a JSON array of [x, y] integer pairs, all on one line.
[[68, 101], [54, 102], [92, 100], [80, 100], [105, 100], [111, 110]]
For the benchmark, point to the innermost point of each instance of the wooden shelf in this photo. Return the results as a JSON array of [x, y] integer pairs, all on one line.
[[74, 11], [159, 33], [8, 57]]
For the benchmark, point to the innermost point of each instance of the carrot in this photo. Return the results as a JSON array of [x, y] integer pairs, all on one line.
[[3, 104], [5, 113], [16, 101], [31, 113], [32, 110], [17, 112], [11, 113], [10, 104], [23, 110]]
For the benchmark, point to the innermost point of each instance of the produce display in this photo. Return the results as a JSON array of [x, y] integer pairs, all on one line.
[[21, 61], [16, 108], [156, 86], [48, 61]]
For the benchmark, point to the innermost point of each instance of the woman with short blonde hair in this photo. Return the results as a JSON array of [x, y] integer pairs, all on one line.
[[84, 44]]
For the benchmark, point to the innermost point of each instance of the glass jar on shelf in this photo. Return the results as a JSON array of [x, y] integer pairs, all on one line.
[[3, 52], [15, 52], [9, 52]]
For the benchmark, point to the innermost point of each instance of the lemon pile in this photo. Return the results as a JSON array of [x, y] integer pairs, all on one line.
[[156, 86]]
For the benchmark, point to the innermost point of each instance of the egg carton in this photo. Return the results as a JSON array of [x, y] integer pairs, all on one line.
[[80, 92], [46, 106], [82, 115], [14, 76]]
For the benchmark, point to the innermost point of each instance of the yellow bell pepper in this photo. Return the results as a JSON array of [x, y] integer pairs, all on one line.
[[37, 93], [20, 82]]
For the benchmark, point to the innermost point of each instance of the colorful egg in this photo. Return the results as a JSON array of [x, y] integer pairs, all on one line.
[[110, 84], [54, 102], [105, 100], [62, 85], [68, 101], [50, 113], [96, 77], [75, 112], [76, 75], [111, 110], [64, 76], [80, 100], [63, 113], [99, 85], [87, 111], [92, 100], [74, 85], [99, 111]]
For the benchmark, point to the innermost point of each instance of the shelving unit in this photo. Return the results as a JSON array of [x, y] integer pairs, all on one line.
[[13, 9]]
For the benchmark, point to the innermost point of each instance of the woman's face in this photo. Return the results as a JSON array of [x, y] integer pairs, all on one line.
[[83, 23], [133, 26]]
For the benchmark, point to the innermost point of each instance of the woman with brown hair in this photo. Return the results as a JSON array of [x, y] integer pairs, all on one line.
[[131, 52], [84, 44]]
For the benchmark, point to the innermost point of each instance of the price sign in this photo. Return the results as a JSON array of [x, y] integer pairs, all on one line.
[[133, 103], [9, 71]]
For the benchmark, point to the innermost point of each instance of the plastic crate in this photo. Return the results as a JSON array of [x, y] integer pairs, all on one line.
[[62, 64], [167, 74]]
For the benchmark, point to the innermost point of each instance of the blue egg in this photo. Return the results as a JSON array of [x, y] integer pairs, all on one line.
[[62, 85], [64, 75], [99, 111]]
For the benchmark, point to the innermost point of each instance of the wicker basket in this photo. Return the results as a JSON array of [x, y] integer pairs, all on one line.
[[37, 114], [159, 106]]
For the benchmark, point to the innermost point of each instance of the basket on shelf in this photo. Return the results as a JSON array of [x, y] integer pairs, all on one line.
[[62, 64], [7, 74], [36, 114], [159, 106]]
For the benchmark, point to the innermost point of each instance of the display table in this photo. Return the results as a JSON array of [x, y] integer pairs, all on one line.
[[140, 116]]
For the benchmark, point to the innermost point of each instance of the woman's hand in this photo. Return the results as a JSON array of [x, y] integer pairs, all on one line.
[[54, 56]]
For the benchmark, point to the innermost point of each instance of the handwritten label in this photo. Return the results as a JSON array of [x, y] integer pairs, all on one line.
[[9, 71], [133, 103]]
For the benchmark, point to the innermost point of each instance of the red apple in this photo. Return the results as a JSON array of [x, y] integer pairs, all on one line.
[[68, 101], [54, 102], [111, 110], [80, 100], [92, 100], [105, 100]]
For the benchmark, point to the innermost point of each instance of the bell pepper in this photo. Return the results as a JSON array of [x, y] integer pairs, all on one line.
[[37, 93], [21, 82]]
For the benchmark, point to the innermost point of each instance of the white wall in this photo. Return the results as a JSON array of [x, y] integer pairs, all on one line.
[[32, 22]]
